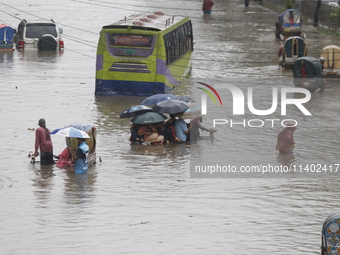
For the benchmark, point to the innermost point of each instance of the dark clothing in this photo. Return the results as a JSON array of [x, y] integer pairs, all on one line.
[[246, 3], [278, 30], [135, 138], [169, 131], [46, 158], [80, 154]]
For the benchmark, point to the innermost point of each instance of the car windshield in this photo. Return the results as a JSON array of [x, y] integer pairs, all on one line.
[[36, 31]]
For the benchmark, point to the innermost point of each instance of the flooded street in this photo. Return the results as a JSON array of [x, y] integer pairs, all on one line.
[[143, 199]]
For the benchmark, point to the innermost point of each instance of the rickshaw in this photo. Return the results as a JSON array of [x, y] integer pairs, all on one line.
[[331, 235], [6, 37], [294, 47], [331, 54], [289, 24], [72, 143], [307, 72]]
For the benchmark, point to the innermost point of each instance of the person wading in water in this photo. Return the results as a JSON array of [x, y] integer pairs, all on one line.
[[44, 143], [285, 140]]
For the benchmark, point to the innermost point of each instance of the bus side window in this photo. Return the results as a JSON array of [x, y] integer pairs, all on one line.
[[191, 37], [181, 41], [178, 42], [167, 48], [172, 47]]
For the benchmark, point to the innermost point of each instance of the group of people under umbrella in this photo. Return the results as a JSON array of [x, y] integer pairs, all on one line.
[[152, 126]]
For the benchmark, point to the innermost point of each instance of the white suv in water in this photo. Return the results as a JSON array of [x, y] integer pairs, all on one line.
[[41, 35]]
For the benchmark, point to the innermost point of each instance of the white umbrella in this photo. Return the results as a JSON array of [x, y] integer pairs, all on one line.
[[70, 132]]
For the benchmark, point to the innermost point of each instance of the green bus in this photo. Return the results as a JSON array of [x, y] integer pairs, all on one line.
[[143, 55]]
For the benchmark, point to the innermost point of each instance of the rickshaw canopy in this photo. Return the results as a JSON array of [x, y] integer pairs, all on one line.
[[331, 54], [91, 141], [330, 235], [6, 35], [295, 46], [291, 17], [307, 67]]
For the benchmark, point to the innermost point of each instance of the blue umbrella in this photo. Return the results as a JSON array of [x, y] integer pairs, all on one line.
[[148, 118], [134, 111], [152, 100]]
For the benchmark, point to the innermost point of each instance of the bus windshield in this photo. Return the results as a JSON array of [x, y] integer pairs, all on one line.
[[129, 40]]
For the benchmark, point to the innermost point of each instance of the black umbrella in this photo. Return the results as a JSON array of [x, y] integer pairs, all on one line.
[[171, 106], [134, 111], [154, 99], [148, 118]]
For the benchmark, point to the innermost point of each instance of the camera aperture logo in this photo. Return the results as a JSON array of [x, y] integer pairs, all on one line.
[[238, 101], [204, 97]]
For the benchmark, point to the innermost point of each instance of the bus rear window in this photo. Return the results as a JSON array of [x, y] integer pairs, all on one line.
[[130, 40]]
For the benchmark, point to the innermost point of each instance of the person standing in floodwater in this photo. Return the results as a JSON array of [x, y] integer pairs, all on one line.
[[207, 5], [278, 28], [285, 140], [195, 126], [322, 81], [246, 3], [80, 157], [44, 143]]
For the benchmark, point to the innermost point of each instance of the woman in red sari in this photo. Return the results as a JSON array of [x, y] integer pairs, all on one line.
[[285, 140]]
